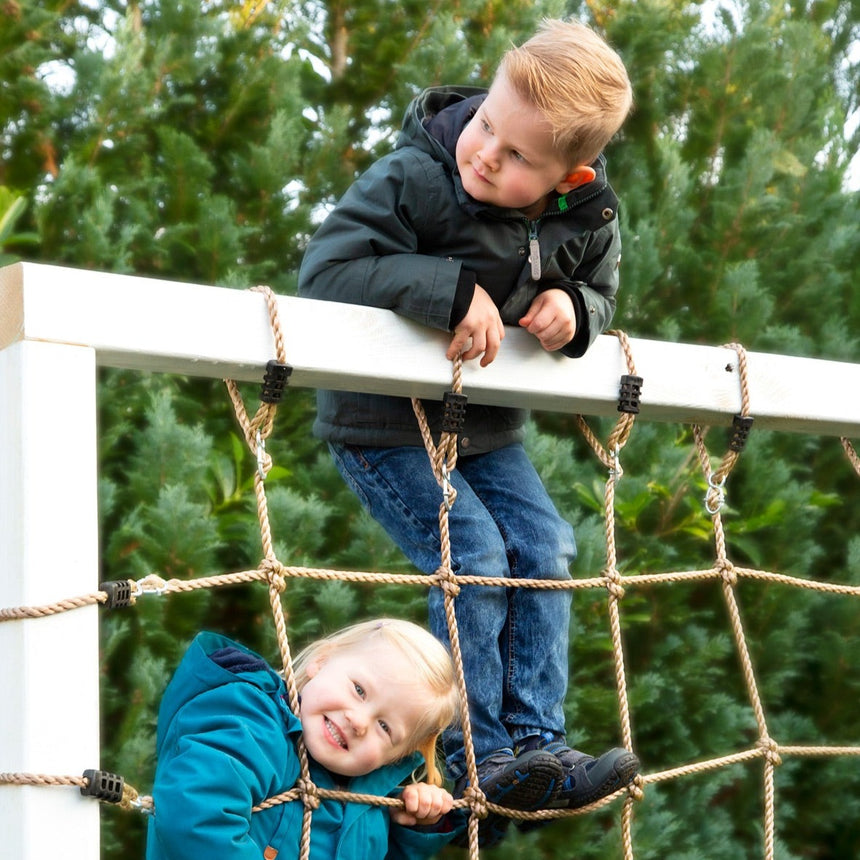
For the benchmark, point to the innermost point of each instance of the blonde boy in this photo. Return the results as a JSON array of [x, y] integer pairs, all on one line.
[[493, 210]]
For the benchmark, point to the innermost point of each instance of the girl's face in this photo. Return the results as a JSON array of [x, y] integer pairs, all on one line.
[[505, 154], [359, 707]]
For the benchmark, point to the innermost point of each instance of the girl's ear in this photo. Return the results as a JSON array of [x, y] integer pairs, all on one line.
[[581, 175]]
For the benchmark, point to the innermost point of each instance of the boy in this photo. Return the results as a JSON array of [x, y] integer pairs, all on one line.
[[493, 210]]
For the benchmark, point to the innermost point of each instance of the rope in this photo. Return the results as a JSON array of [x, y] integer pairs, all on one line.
[[443, 460]]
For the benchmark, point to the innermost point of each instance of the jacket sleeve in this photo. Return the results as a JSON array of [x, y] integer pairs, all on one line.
[[415, 843], [367, 251], [593, 287], [224, 753]]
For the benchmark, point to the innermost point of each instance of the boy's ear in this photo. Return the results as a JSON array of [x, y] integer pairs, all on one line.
[[581, 175]]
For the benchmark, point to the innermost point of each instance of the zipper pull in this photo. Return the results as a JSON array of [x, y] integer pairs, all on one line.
[[534, 250]]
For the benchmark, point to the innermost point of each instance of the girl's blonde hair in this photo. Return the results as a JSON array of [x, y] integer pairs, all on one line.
[[433, 670], [572, 76]]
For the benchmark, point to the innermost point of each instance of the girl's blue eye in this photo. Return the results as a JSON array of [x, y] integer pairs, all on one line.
[[385, 727], [359, 689]]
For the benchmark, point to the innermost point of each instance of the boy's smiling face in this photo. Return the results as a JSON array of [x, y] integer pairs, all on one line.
[[358, 708], [506, 156]]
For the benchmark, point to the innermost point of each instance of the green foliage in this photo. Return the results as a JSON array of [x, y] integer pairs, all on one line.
[[12, 208], [202, 142]]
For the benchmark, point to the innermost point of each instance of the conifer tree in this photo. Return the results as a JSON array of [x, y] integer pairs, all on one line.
[[203, 142]]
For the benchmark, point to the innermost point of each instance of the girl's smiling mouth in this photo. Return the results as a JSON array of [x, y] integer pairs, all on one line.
[[334, 734]]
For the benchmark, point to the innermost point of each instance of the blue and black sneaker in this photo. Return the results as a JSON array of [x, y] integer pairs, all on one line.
[[586, 778], [526, 782]]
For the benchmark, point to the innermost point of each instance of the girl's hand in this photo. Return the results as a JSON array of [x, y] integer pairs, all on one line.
[[424, 804], [551, 319], [483, 326]]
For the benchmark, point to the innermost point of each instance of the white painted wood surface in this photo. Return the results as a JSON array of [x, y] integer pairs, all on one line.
[[151, 324], [49, 712]]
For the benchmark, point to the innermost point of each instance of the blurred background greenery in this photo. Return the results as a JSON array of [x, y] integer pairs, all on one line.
[[203, 142]]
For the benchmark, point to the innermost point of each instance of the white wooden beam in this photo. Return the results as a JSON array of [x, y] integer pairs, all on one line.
[[49, 722], [151, 324]]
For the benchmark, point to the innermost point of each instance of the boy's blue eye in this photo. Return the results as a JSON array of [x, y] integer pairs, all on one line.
[[385, 727], [485, 125]]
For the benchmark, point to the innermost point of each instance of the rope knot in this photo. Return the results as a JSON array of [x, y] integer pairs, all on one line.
[[477, 801], [771, 750], [308, 790], [274, 571], [447, 581], [613, 584], [727, 571], [636, 788]]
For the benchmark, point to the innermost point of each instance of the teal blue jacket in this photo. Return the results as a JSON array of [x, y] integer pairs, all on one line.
[[227, 741]]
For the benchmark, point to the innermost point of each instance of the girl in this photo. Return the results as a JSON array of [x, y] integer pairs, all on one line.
[[374, 698]]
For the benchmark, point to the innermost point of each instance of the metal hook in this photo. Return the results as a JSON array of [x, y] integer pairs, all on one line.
[[719, 488], [615, 471], [261, 455], [151, 584], [447, 489]]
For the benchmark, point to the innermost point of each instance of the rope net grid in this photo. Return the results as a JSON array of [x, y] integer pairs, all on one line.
[[443, 457]]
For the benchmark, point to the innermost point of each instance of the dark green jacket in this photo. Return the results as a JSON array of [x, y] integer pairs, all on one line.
[[406, 236]]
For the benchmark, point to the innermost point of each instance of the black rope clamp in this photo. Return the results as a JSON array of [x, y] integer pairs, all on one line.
[[741, 426], [118, 593], [275, 381], [103, 786], [629, 393], [453, 412]]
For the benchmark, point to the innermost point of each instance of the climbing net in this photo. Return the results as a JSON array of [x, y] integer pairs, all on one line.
[[442, 457]]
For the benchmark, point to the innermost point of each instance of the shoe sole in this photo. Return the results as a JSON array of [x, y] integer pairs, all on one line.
[[533, 784]]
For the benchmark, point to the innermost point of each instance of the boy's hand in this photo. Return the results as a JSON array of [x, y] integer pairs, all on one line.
[[424, 804], [483, 325], [551, 319]]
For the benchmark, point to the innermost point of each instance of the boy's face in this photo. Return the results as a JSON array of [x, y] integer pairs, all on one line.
[[359, 707], [505, 154]]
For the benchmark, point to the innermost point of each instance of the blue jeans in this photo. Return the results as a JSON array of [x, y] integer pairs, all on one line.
[[514, 640]]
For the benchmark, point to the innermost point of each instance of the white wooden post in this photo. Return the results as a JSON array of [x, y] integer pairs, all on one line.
[[49, 720]]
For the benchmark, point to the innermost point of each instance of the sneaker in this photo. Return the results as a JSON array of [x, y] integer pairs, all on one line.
[[590, 779], [525, 782], [587, 779]]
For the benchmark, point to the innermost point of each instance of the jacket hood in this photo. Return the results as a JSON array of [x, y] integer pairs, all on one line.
[[213, 660], [435, 118], [433, 123], [198, 673]]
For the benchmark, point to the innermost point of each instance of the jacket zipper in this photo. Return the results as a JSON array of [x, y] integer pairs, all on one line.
[[534, 241], [534, 249]]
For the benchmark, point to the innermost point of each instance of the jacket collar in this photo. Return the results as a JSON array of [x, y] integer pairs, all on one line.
[[434, 122]]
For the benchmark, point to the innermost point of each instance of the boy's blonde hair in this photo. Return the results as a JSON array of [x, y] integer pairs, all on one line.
[[572, 76], [433, 670]]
